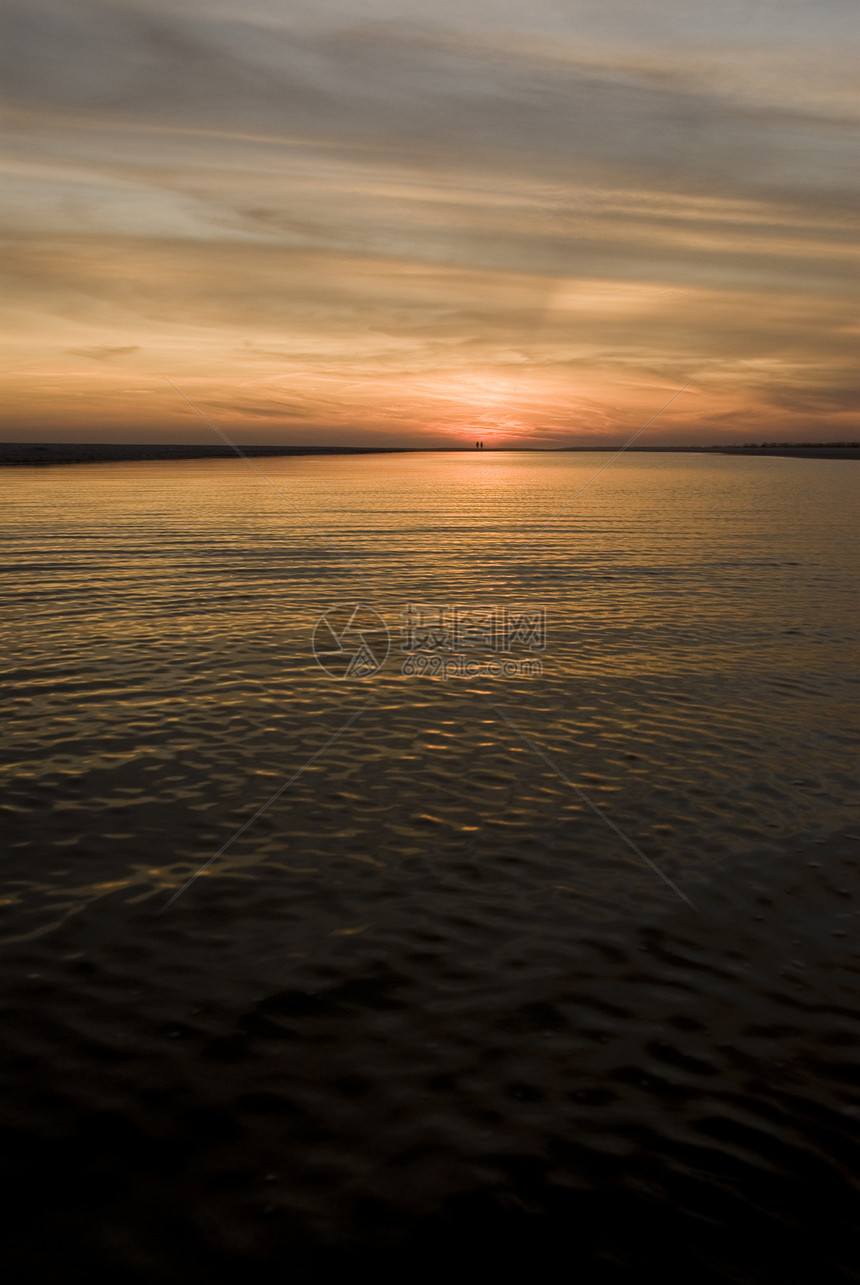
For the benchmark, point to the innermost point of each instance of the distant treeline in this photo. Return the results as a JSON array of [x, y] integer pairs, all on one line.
[[757, 446]]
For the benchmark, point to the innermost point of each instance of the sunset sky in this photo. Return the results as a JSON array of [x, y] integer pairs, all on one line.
[[384, 222]]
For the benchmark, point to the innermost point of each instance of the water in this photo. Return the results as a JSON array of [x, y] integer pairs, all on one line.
[[515, 961]]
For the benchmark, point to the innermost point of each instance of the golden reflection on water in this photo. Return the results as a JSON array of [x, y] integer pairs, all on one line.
[[161, 684]]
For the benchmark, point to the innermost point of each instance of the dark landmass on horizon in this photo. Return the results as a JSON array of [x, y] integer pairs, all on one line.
[[111, 452]]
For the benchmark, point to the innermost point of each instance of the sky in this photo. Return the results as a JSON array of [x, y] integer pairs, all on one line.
[[380, 222]]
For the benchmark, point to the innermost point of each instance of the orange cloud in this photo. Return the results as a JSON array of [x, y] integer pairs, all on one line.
[[409, 235]]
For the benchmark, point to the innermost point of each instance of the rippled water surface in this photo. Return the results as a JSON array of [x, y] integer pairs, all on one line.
[[508, 963]]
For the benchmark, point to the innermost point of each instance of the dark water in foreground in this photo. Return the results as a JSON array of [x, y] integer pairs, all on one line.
[[430, 1013]]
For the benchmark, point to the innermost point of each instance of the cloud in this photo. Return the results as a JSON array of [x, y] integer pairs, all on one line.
[[400, 218], [104, 353], [495, 97]]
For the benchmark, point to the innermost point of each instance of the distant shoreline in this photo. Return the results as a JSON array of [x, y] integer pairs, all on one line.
[[42, 453]]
